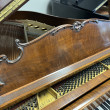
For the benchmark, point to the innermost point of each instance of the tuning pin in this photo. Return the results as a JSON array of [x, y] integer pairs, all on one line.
[[36, 27], [30, 24], [44, 29]]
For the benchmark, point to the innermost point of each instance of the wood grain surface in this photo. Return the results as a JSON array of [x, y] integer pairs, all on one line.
[[36, 86], [51, 52]]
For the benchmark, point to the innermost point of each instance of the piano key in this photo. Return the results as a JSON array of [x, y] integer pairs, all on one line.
[[104, 107], [106, 104], [108, 100], [99, 108], [96, 109], [101, 103]]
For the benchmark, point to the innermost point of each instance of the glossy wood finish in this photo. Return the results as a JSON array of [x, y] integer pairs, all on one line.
[[50, 53], [89, 97], [45, 82]]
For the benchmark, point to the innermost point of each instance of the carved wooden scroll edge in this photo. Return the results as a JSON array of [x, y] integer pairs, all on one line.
[[5, 58], [77, 26]]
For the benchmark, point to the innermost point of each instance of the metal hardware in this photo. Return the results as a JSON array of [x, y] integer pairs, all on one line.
[[77, 26], [5, 58]]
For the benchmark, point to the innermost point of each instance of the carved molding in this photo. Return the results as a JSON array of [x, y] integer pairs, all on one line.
[[77, 26], [5, 58]]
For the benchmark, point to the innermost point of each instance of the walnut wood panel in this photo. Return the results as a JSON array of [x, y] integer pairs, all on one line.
[[49, 53], [23, 92], [48, 19], [73, 95], [89, 97], [36, 86]]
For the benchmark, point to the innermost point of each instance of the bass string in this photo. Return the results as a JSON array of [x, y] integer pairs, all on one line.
[[8, 34]]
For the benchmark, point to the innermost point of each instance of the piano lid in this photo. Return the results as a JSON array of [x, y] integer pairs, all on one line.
[[90, 5], [7, 7]]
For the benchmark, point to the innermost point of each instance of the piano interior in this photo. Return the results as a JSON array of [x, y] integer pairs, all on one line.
[[25, 30], [58, 63]]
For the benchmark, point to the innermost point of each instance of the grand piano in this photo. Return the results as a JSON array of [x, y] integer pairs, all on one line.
[[53, 63]]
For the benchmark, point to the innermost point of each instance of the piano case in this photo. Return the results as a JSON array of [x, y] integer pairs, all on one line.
[[47, 71]]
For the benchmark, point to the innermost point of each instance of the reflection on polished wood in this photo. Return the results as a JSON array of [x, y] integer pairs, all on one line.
[[62, 67], [54, 50], [62, 101]]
